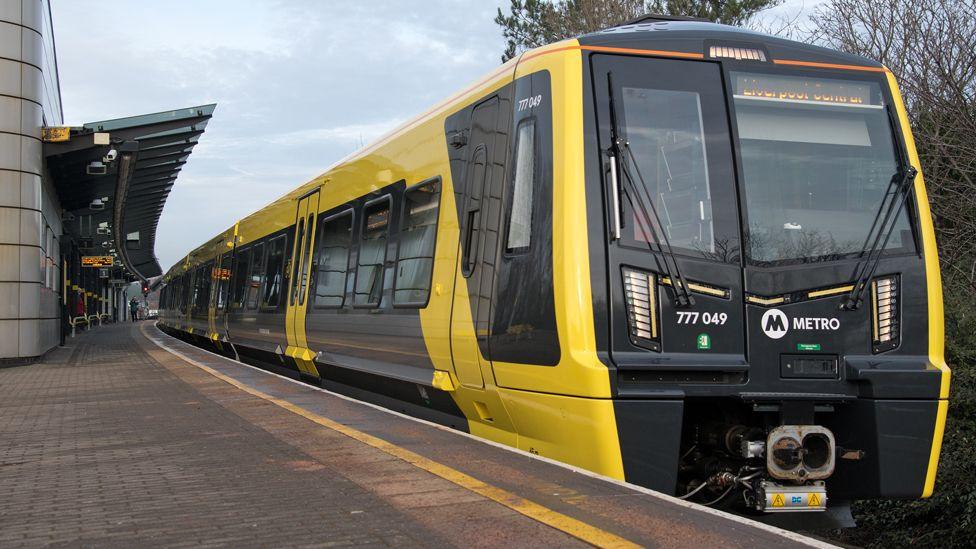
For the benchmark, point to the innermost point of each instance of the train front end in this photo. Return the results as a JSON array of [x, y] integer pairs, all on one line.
[[772, 314]]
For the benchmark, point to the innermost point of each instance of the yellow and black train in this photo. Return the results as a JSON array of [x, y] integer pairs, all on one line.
[[692, 257]]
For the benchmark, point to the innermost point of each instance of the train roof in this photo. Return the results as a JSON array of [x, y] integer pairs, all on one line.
[[695, 37]]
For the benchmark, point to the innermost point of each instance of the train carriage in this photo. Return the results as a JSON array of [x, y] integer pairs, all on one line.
[[688, 256]]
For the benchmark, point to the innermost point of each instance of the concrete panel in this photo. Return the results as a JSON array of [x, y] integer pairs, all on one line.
[[31, 227], [10, 40], [30, 338], [9, 151], [50, 303], [30, 300], [11, 114], [9, 336], [31, 155], [9, 300], [10, 225], [9, 188], [30, 85], [32, 48], [10, 11], [30, 191], [9, 262], [31, 264], [10, 77], [31, 119], [31, 14], [50, 334]]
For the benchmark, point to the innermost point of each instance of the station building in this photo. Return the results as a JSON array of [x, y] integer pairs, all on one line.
[[79, 203]]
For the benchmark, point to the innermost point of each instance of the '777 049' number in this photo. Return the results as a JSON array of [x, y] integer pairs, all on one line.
[[692, 317]]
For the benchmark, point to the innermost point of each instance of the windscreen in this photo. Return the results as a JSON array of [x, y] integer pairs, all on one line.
[[817, 159], [664, 129]]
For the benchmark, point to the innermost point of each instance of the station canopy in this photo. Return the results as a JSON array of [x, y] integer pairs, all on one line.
[[113, 177]]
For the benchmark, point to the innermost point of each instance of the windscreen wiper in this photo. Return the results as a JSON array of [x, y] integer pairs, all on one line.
[[899, 188], [640, 201]]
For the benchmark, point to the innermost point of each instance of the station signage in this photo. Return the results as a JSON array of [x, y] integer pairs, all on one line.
[[55, 134], [97, 261]]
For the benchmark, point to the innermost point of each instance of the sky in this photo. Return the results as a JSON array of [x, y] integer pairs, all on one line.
[[298, 84]]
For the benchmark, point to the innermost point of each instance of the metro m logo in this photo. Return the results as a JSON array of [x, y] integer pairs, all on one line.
[[774, 323]]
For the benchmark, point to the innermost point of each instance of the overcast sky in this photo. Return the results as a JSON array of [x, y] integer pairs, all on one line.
[[298, 85]]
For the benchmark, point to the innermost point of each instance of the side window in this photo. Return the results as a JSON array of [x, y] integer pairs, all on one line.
[[257, 276], [335, 237], [239, 279], [273, 270], [372, 253], [418, 234], [523, 184]]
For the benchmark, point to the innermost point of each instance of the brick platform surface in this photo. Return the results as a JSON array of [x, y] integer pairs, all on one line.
[[113, 441]]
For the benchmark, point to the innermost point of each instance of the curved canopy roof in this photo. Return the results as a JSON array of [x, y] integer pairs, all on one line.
[[113, 177]]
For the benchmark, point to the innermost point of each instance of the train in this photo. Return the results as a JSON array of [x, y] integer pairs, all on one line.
[[685, 255]]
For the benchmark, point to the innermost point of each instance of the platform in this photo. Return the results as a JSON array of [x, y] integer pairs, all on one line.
[[130, 437]]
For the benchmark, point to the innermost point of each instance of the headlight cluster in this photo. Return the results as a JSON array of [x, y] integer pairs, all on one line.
[[885, 314], [640, 293]]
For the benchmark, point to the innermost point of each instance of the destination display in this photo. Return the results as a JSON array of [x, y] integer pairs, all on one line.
[[803, 90], [97, 261]]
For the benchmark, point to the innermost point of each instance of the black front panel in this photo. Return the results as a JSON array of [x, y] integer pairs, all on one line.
[[672, 117], [896, 438]]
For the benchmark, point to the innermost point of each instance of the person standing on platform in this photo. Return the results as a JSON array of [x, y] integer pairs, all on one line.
[[133, 309]]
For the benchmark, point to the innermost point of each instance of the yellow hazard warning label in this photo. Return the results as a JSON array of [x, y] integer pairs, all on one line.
[[814, 500], [778, 500]]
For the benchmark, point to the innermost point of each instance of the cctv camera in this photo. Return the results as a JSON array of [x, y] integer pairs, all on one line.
[[96, 168], [110, 156]]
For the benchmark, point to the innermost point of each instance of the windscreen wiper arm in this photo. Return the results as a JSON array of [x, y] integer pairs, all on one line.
[[899, 188], [640, 201]]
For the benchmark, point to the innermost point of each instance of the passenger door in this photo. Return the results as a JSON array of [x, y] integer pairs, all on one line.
[[675, 145], [479, 210], [307, 211]]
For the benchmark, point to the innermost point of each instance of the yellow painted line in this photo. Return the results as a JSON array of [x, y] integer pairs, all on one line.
[[554, 519]]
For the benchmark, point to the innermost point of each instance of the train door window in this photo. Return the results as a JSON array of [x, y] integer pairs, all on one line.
[[204, 276], [239, 274], [418, 234], [295, 260], [186, 293], [257, 276], [520, 209], [472, 216], [305, 257], [372, 253], [273, 273], [223, 281], [194, 289], [335, 237]]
